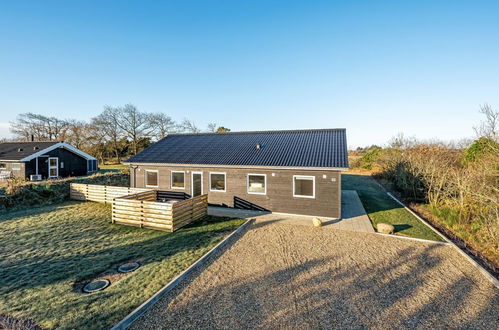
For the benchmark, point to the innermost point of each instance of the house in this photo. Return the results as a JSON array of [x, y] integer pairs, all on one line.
[[42, 160], [293, 171]]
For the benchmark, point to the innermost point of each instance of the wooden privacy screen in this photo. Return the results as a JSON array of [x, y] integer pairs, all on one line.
[[141, 208], [99, 193]]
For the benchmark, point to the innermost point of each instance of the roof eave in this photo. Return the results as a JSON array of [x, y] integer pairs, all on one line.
[[304, 168]]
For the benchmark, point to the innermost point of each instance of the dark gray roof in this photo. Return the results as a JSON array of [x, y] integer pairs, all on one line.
[[297, 148], [19, 150]]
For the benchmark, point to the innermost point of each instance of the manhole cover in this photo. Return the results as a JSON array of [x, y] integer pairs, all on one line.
[[96, 286], [128, 267]]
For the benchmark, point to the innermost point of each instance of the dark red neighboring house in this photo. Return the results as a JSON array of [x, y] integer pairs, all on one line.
[[43, 160]]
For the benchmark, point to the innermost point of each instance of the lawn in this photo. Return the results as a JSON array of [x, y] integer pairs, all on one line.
[[381, 208], [49, 252]]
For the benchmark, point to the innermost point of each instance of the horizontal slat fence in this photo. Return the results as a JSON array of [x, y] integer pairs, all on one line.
[[100, 193], [142, 210], [139, 207]]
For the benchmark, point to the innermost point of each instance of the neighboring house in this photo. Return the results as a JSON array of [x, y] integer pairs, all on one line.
[[42, 160], [296, 171]]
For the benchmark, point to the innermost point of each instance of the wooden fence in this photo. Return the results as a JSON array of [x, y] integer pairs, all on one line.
[[100, 193], [142, 210], [139, 207]]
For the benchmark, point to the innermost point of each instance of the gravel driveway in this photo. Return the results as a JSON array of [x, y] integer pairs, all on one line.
[[290, 276]]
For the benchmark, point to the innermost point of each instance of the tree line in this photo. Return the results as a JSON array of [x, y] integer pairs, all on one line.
[[116, 133], [457, 184]]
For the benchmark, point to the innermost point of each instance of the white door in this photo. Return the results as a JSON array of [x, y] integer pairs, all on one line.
[[53, 167]]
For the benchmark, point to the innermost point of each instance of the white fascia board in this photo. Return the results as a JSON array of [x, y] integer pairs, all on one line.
[[55, 146], [242, 166]]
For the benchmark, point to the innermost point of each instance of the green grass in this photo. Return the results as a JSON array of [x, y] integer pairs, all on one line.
[[381, 208], [48, 252], [112, 167]]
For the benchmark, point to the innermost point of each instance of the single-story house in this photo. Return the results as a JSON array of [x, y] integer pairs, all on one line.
[[42, 160], [293, 171]]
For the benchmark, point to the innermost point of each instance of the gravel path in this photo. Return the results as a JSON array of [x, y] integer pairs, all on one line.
[[288, 276]]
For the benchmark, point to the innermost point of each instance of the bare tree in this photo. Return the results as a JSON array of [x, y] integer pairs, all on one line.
[[134, 124], [106, 125], [188, 126], [77, 133], [41, 127], [161, 124], [490, 126], [212, 127]]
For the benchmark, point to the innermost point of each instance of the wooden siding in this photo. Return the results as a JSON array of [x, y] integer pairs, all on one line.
[[279, 196]]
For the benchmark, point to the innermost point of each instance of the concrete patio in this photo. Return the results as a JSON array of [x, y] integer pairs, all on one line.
[[354, 217]]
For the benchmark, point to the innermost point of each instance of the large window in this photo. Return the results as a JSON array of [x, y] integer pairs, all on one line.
[[257, 184], [152, 178], [303, 186], [217, 182], [178, 180]]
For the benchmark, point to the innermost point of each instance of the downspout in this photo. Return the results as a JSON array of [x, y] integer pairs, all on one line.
[[134, 177]]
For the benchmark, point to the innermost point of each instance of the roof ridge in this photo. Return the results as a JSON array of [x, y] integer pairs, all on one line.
[[260, 132]]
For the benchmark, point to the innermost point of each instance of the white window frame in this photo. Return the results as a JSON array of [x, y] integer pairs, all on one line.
[[3, 166], [145, 178], [225, 181], [192, 182], [56, 167], [304, 177], [248, 186], [171, 180]]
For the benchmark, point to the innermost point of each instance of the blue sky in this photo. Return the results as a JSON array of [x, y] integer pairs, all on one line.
[[375, 68]]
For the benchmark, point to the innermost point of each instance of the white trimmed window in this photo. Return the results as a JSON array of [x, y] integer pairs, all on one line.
[[303, 186], [16, 166], [3, 166], [257, 184], [178, 180], [217, 181], [152, 178]]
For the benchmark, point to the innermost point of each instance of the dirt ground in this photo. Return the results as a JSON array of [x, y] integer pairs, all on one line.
[[289, 276]]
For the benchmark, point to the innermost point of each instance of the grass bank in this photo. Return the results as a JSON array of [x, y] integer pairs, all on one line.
[[49, 252], [383, 209]]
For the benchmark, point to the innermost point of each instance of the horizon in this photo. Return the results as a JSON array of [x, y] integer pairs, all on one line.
[[375, 69]]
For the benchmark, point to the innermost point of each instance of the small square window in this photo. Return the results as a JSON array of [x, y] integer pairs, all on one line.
[[16, 166], [257, 184], [3, 166], [304, 186], [217, 181], [151, 178], [178, 180]]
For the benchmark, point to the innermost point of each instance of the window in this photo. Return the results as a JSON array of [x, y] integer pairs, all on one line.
[[304, 186], [52, 162], [92, 165], [217, 182], [3, 166], [178, 180], [16, 166], [257, 184], [151, 178]]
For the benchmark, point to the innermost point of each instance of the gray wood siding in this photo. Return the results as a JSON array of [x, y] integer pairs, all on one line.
[[279, 196]]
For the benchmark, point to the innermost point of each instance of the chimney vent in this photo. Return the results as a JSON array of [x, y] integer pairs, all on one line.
[[20, 149], [35, 148], [258, 146]]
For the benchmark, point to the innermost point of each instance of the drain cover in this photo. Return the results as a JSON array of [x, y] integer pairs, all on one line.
[[128, 267], [96, 286]]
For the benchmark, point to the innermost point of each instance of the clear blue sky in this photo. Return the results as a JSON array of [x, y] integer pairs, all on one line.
[[419, 67]]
